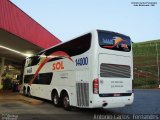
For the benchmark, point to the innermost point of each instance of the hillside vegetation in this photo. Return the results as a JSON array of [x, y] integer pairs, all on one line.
[[145, 64]]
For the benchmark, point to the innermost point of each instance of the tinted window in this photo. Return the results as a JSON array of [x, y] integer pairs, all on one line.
[[114, 41], [43, 78], [27, 78], [74, 47], [34, 60]]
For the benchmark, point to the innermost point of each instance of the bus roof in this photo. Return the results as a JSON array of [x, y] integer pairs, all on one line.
[[78, 36]]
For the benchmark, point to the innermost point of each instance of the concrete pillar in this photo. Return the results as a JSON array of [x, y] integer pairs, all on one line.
[[1, 70]]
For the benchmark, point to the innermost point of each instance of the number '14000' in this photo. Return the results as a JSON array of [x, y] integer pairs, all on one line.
[[82, 61]]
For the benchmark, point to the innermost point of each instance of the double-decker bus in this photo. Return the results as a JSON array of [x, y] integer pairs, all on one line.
[[94, 70]]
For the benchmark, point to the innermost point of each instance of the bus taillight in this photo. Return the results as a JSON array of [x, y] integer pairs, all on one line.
[[96, 86]]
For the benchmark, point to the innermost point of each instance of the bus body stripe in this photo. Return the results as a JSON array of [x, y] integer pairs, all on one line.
[[51, 56]]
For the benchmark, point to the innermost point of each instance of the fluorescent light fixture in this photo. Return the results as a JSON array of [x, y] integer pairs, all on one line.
[[28, 54], [23, 54]]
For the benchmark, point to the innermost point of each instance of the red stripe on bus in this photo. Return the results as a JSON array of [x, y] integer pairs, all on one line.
[[51, 56]]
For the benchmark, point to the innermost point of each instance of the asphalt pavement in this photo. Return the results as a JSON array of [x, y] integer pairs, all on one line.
[[15, 106], [146, 101]]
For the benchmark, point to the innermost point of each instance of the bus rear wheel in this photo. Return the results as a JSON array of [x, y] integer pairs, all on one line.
[[28, 92], [55, 99], [66, 102], [24, 90]]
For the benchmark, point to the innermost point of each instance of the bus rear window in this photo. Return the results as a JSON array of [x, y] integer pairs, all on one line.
[[114, 41]]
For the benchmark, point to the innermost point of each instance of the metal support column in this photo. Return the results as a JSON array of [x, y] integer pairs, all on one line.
[[1, 70]]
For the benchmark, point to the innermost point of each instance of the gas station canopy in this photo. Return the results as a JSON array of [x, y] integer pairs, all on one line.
[[15, 48], [20, 35]]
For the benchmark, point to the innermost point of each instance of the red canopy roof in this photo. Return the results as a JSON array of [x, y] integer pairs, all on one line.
[[15, 21]]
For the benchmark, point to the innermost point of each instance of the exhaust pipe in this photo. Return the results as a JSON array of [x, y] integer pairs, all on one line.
[[104, 104]]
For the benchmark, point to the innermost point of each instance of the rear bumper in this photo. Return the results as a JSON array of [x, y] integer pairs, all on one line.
[[112, 102]]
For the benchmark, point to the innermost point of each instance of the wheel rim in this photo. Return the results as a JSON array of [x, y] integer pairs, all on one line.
[[66, 101], [55, 99], [29, 93]]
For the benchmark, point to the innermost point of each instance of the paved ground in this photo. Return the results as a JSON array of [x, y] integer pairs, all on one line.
[[145, 102], [14, 105]]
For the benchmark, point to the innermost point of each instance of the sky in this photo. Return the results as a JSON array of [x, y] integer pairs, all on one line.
[[67, 19]]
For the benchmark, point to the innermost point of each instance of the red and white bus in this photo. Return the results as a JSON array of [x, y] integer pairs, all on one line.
[[94, 70]]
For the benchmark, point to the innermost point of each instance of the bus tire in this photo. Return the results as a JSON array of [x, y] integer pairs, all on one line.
[[28, 91], [66, 102], [24, 90], [55, 99]]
